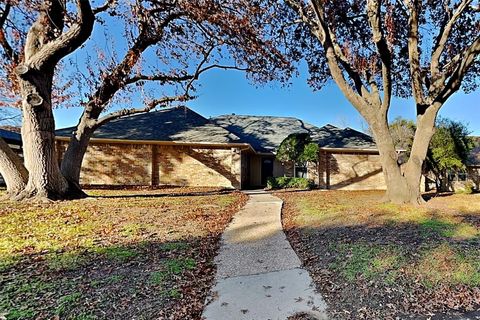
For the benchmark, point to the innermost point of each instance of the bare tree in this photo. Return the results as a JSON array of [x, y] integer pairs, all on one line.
[[375, 49]]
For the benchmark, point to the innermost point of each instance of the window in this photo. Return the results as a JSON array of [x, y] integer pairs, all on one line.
[[457, 176], [301, 172]]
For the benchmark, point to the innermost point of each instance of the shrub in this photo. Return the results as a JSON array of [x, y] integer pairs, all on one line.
[[289, 183], [469, 187]]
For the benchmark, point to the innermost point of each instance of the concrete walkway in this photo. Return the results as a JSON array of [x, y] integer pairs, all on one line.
[[259, 276]]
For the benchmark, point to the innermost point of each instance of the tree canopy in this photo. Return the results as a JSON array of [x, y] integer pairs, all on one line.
[[153, 51], [298, 148], [374, 50], [448, 151]]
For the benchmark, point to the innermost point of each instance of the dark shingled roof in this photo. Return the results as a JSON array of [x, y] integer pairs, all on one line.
[[330, 136], [265, 133], [179, 124], [10, 136]]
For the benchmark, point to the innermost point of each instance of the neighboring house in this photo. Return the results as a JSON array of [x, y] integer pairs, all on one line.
[[14, 140], [472, 172], [457, 180], [178, 146], [473, 164]]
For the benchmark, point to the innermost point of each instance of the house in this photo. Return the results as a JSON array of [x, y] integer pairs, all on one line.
[[458, 180], [471, 175], [177, 146], [473, 164]]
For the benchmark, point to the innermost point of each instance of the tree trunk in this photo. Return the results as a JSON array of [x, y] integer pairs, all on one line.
[[426, 118], [401, 187], [12, 169], [73, 157], [38, 133]]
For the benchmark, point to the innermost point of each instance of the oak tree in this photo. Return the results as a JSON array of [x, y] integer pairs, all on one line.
[[374, 50], [155, 49]]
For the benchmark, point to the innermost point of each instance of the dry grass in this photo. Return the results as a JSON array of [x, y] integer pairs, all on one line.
[[450, 215], [427, 258], [120, 254]]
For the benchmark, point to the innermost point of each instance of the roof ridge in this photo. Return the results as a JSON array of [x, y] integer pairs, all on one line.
[[255, 116]]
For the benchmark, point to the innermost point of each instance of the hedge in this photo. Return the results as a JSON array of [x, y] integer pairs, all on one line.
[[289, 183]]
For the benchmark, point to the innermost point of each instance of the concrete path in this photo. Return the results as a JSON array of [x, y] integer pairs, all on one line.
[[259, 276]]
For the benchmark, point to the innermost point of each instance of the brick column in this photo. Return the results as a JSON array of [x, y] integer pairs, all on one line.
[[236, 168], [155, 170], [322, 170], [327, 170]]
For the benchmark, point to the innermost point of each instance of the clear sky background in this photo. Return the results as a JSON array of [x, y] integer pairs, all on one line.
[[226, 92]]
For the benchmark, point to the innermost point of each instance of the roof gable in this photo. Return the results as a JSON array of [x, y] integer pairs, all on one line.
[[330, 136], [266, 133], [263, 133]]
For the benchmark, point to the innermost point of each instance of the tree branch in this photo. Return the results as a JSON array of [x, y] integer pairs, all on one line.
[[374, 12], [107, 5], [114, 81], [320, 29], [5, 13], [165, 101], [10, 52], [463, 64], [162, 78], [414, 56], [165, 78], [442, 39], [68, 42]]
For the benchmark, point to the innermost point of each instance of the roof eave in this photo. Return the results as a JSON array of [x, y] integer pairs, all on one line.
[[363, 150], [166, 143], [332, 149]]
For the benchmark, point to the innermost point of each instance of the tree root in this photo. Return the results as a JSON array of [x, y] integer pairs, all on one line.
[[72, 192]]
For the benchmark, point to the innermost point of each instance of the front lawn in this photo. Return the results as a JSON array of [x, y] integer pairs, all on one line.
[[118, 255], [373, 260]]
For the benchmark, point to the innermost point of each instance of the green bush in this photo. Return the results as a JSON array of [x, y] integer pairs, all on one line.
[[289, 183], [469, 187]]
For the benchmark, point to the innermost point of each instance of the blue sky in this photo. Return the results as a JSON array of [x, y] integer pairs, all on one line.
[[228, 91], [225, 92]]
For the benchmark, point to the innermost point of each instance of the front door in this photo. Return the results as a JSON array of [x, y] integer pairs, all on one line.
[[267, 169]]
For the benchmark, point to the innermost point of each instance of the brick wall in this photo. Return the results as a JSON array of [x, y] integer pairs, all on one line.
[[143, 164], [117, 164], [348, 171], [198, 167]]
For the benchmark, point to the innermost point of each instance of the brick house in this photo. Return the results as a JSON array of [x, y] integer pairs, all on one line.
[[177, 146]]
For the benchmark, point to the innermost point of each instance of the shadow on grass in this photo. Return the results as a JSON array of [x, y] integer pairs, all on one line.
[[399, 269], [145, 280], [139, 194]]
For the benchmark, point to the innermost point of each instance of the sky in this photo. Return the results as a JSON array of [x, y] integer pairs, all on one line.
[[228, 91]]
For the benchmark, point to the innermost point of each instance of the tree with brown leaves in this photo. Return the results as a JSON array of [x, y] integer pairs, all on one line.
[[166, 46], [376, 49]]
